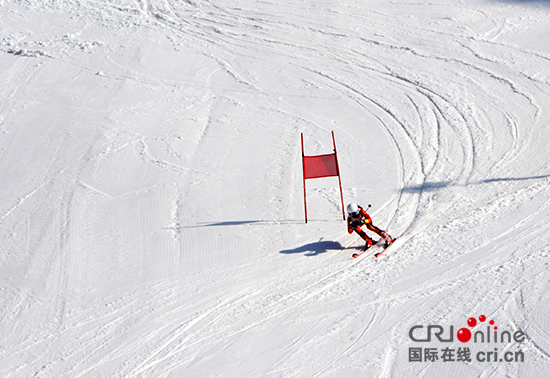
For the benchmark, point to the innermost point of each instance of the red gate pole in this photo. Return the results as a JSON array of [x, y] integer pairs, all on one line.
[[338, 170], [304, 174]]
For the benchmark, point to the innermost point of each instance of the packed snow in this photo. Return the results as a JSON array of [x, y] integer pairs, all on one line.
[[151, 208]]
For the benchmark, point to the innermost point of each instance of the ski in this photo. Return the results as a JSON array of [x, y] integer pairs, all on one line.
[[356, 255], [378, 254], [381, 253], [367, 248]]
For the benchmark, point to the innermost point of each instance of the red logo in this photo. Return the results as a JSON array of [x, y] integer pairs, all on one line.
[[464, 334]]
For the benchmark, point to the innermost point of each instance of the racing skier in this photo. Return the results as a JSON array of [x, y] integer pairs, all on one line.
[[357, 217]]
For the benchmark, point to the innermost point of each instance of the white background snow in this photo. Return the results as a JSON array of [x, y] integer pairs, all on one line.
[[151, 207]]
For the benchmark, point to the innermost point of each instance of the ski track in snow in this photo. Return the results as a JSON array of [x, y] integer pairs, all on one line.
[[151, 215]]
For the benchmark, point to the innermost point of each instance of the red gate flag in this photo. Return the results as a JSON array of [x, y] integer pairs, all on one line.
[[321, 166]]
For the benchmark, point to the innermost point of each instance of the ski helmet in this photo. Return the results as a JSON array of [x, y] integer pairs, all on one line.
[[353, 209]]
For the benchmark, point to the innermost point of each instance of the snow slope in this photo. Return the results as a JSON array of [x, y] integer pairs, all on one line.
[[151, 216]]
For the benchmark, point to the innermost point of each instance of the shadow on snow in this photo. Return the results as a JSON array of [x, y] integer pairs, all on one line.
[[432, 186], [313, 249], [248, 222]]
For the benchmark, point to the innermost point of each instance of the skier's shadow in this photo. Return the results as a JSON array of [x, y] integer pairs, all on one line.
[[314, 249]]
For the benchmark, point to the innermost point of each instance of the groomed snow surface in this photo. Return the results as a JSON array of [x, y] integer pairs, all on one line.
[[151, 208]]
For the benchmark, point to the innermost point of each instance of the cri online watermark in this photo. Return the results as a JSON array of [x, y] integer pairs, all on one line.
[[489, 335]]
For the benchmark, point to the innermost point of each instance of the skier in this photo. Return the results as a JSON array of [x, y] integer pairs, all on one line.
[[357, 217]]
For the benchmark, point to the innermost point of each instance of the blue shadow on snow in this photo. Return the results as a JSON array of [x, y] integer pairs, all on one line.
[[436, 185], [313, 249]]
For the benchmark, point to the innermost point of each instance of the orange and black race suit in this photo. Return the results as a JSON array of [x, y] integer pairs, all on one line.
[[355, 224]]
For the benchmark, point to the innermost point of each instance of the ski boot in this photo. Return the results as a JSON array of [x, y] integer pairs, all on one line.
[[369, 243]]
